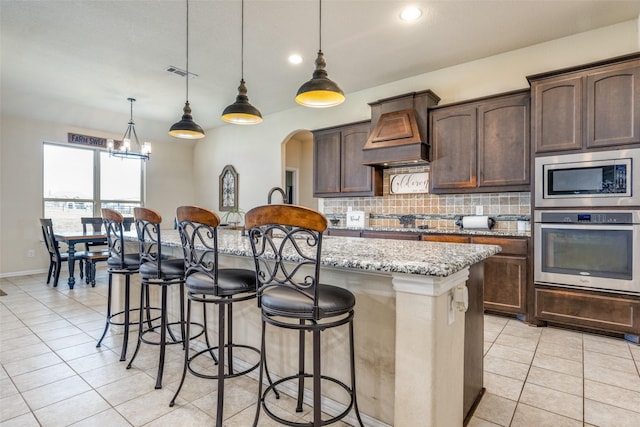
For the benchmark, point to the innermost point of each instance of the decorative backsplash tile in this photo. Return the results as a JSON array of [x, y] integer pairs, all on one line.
[[433, 210]]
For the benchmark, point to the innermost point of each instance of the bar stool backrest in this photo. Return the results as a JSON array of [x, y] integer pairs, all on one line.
[[147, 223], [199, 236], [115, 238], [286, 241]]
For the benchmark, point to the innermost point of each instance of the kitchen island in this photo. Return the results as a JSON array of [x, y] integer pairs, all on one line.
[[409, 322]]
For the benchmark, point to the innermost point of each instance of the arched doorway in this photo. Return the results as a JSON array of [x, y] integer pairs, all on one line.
[[297, 152]]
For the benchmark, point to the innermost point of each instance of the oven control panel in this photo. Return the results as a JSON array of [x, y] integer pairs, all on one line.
[[587, 217]]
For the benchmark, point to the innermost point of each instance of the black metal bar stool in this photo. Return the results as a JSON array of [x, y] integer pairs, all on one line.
[[286, 241], [122, 263], [156, 270], [221, 287]]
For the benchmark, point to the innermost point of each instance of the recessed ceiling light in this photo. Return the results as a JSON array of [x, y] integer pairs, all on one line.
[[410, 13], [295, 59]]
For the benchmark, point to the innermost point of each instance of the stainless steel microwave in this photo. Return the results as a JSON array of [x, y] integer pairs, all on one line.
[[603, 178]]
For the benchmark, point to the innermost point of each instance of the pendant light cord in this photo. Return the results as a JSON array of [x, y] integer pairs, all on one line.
[[320, 27], [242, 43], [187, 75]]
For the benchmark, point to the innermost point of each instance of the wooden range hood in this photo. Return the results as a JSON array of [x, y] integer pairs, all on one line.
[[399, 130]]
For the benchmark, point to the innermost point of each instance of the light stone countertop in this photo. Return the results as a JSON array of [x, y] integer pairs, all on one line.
[[375, 255]]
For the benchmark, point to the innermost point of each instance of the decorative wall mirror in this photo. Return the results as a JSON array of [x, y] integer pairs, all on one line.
[[228, 199]]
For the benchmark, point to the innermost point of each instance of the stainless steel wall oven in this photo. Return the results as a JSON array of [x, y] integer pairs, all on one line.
[[597, 250]]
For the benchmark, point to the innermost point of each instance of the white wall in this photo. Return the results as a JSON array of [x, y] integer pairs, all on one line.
[[255, 150], [179, 174], [170, 171]]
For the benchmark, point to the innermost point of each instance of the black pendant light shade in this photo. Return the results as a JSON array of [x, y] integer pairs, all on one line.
[[242, 112], [186, 128], [320, 91]]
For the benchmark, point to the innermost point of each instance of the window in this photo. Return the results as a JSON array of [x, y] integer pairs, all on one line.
[[79, 182]]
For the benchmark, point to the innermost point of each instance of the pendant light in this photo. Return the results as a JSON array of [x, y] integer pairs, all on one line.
[[140, 151], [186, 128], [320, 91], [242, 112]]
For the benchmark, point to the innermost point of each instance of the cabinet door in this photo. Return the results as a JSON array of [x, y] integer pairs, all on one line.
[[503, 142], [326, 163], [557, 114], [453, 137], [505, 282], [356, 177], [613, 106]]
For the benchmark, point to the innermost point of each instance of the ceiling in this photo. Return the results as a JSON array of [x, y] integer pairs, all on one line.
[[95, 54]]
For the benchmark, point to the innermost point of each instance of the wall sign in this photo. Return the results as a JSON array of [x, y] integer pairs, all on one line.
[[92, 141], [409, 183]]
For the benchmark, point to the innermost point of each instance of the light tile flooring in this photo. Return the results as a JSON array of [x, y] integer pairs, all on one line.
[[53, 375]]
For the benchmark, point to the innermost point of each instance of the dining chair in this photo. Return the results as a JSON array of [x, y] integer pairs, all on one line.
[[286, 241], [94, 252], [218, 287], [56, 258]]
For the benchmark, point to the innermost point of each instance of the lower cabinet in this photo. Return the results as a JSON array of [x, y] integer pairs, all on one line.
[[506, 275], [593, 310]]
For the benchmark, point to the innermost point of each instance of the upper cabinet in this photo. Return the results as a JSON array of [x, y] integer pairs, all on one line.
[[589, 107], [481, 145], [337, 163]]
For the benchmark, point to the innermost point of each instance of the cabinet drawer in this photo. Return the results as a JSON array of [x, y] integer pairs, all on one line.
[[591, 310], [509, 246], [344, 233], [391, 235], [450, 238]]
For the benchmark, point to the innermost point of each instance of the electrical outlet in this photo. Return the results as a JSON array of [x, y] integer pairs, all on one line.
[[479, 210], [31, 253]]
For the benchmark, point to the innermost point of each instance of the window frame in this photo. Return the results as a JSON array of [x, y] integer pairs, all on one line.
[[97, 200]]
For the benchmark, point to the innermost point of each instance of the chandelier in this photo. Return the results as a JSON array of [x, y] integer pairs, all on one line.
[[124, 149]]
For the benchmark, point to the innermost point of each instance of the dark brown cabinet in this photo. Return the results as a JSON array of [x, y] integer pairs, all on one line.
[[397, 235], [337, 163], [506, 275], [593, 310], [593, 106], [481, 145]]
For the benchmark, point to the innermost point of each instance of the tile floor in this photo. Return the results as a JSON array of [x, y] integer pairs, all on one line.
[[53, 375]]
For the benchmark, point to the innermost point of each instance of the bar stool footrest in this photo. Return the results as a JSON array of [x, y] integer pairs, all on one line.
[[226, 375], [271, 388], [135, 322], [171, 335]]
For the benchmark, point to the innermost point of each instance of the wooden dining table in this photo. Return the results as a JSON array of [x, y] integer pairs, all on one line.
[[71, 239]]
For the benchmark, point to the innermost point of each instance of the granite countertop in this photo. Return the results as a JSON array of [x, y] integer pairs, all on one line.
[[381, 255], [439, 231]]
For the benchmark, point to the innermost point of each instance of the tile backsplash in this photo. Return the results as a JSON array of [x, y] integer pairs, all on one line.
[[433, 210]]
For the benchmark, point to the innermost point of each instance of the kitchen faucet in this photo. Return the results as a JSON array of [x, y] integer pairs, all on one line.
[[281, 191]]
